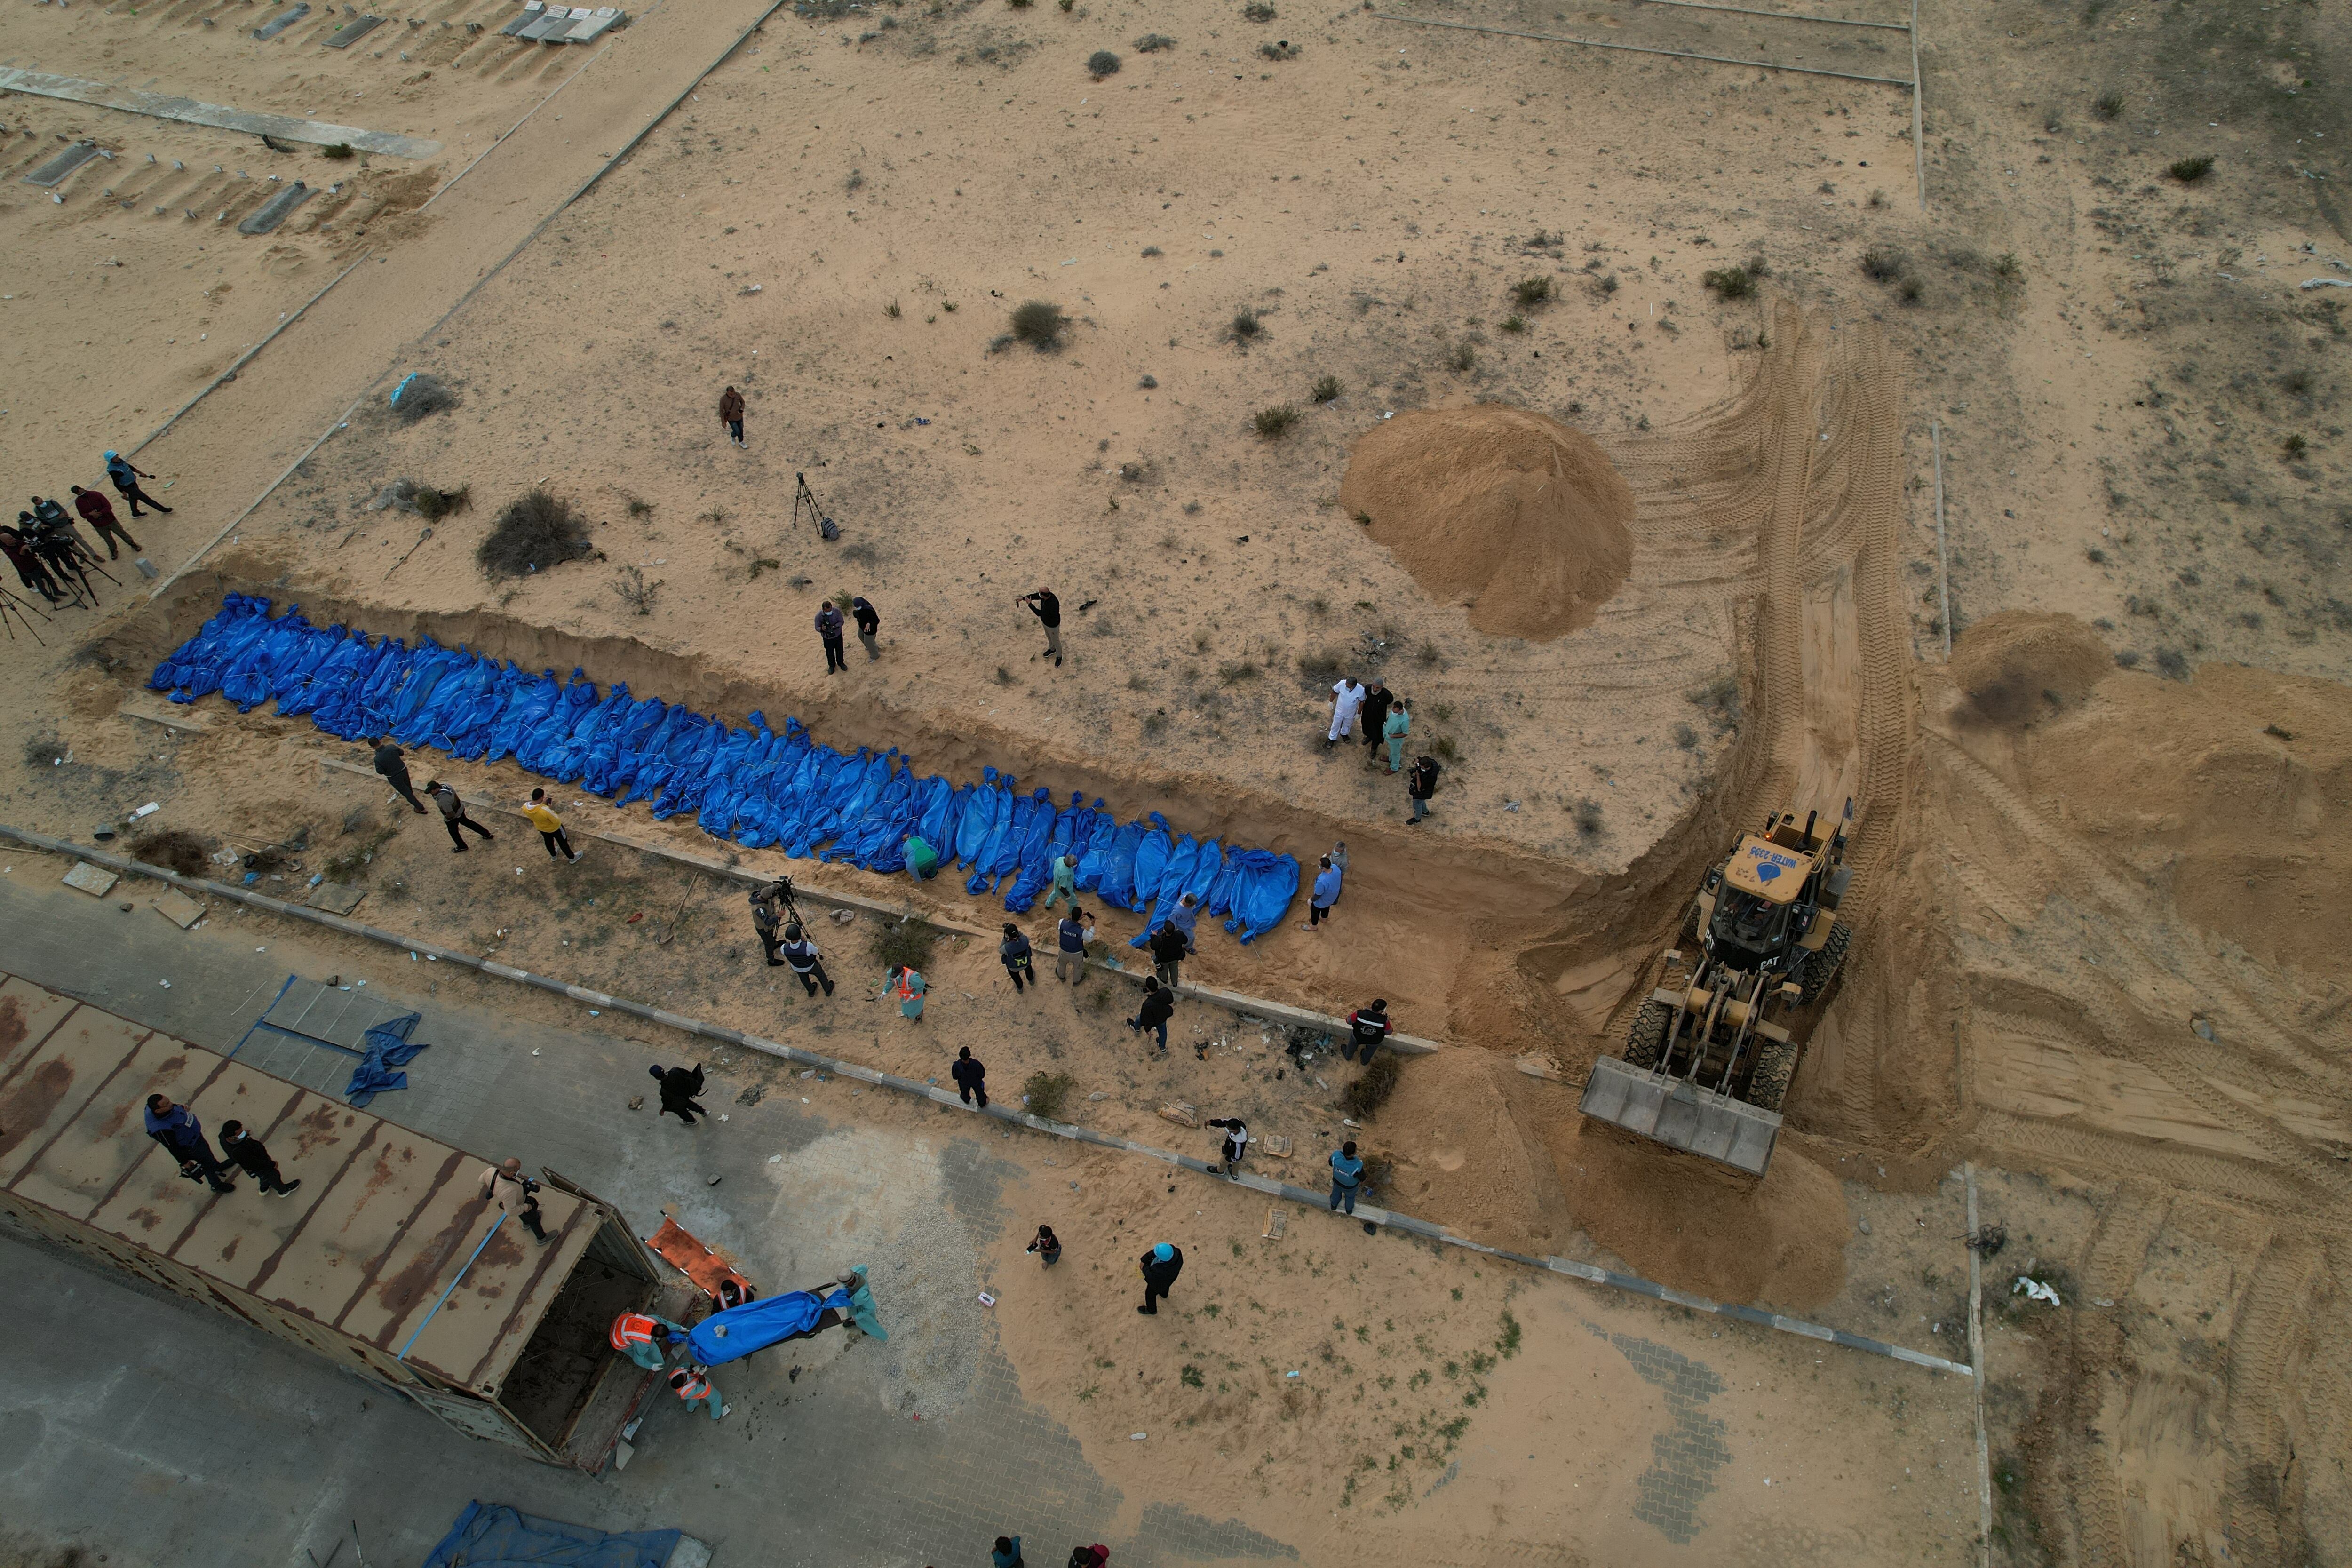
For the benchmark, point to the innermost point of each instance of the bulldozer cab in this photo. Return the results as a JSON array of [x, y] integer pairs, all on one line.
[[1767, 870]]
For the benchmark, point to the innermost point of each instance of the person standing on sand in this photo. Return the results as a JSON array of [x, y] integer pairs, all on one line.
[[1347, 701], [1377, 699], [1049, 610], [452, 815], [767, 922], [1420, 784], [731, 414], [1015, 954], [1236, 1142], [1325, 893], [807, 962], [1159, 1266], [395, 772], [1070, 943], [828, 626], [1066, 881], [1047, 1245], [1168, 948], [1159, 1007], [1366, 1027], [1396, 727], [869, 621], [910, 986], [31, 571], [971, 1077], [99, 513], [1347, 1175], [1186, 917], [126, 480], [541, 816]]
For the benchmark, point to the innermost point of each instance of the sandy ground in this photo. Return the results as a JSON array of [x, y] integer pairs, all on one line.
[[2096, 878]]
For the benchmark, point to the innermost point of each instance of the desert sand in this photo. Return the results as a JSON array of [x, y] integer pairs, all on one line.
[[1649, 556]]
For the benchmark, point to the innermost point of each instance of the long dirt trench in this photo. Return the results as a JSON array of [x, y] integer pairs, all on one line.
[[1775, 515]]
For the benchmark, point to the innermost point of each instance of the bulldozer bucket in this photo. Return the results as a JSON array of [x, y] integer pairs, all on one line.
[[1680, 1115]]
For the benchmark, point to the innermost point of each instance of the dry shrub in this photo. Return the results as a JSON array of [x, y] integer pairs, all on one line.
[[1047, 1091], [901, 943], [174, 849], [421, 394], [1039, 323], [537, 530]]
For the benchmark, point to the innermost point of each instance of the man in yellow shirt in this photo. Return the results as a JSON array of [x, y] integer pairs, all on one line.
[[551, 827]]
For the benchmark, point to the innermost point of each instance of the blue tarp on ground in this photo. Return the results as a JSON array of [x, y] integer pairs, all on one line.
[[492, 1535], [388, 1048], [756, 785]]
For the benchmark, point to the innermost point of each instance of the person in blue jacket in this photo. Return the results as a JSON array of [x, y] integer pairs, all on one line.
[[1325, 894], [176, 1128], [1347, 1175]]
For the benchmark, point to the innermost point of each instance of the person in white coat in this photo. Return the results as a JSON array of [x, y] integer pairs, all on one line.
[[1347, 701]]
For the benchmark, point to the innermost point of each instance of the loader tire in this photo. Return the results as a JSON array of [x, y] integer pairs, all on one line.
[[1645, 1042], [1776, 1064], [1825, 963]]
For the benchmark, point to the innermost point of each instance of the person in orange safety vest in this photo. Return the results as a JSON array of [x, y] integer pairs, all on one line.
[[694, 1387], [640, 1336]]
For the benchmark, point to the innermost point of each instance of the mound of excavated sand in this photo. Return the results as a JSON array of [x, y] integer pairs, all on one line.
[[2235, 789], [2018, 666], [1515, 516]]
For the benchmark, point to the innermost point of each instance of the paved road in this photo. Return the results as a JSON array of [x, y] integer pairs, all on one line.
[[230, 1448]]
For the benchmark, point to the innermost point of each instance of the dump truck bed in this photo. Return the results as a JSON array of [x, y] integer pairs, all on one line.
[[356, 1265]]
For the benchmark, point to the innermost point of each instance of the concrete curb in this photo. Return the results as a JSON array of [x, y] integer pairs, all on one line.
[[1591, 1274]]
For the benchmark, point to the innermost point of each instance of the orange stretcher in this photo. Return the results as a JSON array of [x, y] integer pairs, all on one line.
[[709, 1270]]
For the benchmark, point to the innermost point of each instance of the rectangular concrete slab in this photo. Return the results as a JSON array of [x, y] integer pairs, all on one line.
[[336, 897], [55, 171], [95, 880], [532, 12], [189, 111], [178, 908], [351, 32], [274, 211], [283, 20], [597, 21], [554, 16]]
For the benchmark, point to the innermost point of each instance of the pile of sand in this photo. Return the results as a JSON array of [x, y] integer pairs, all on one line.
[[1456, 1153], [1521, 519], [2019, 666], [1698, 1225], [2235, 790]]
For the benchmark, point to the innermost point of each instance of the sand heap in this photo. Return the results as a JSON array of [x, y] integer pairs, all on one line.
[[2018, 666], [1519, 518], [2234, 791]]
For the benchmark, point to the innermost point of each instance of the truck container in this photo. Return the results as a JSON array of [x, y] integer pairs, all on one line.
[[389, 1261]]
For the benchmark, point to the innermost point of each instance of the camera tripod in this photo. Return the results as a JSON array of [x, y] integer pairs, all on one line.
[[805, 497], [10, 605], [780, 893]]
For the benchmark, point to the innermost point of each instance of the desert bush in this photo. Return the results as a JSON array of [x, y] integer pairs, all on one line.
[[1882, 265], [425, 394], [1327, 389], [1039, 324], [1275, 422], [1587, 817], [536, 531], [2188, 171], [2107, 105], [1045, 1091], [902, 943], [2173, 664], [173, 848], [1258, 11], [634, 590], [1532, 291], [1514, 323], [1280, 50], [1152, 42], [1730, 282], [1463, 359], [1232, 674], [1102, 63], [336, 150], [1245, 325]]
